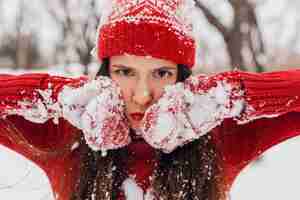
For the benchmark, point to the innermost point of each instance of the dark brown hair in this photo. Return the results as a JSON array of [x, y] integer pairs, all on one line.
[[190, 172]]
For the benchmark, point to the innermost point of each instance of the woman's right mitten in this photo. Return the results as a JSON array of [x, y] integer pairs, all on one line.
[[98, 110]]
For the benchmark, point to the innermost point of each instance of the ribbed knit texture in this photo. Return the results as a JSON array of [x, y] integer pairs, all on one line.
[[147, 28], [146, 39], [25, 88], [270, 94], [48, 145]]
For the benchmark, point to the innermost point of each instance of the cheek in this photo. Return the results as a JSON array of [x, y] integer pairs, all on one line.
[[126, 91], [159, 88], [124, 86], [157, 93]]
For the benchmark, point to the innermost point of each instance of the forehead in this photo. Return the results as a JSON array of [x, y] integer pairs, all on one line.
[[141, 62]]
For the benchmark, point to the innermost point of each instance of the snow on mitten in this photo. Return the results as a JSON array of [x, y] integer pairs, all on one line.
[[98, 110], [33, 96], [189, 110]]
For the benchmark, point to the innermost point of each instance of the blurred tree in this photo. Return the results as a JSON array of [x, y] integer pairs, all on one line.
[[243, 38], [21, 51], [233, 35], [20, 47], [78, 22]]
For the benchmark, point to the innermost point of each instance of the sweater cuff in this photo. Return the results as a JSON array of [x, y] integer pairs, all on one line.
[[32, 96], [269, 95], [14, 89]]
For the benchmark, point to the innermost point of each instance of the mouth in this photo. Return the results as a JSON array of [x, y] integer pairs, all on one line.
[[137, 116]]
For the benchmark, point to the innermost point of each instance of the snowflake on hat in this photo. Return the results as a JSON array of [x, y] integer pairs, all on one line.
[[159, 28]]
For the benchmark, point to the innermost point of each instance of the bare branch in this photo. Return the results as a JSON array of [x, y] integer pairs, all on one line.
[[212, 19]]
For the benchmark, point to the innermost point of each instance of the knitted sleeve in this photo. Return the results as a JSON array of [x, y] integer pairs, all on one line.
[[27, 103], [32, 96], [27, 107], [271, 116], [271, 94]]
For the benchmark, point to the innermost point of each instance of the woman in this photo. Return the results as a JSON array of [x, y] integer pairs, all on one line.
[[165, 135]]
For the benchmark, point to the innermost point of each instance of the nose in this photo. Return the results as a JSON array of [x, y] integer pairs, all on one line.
[[143, 94]]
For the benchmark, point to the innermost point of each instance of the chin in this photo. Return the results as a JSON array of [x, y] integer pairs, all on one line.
[[134, 125]]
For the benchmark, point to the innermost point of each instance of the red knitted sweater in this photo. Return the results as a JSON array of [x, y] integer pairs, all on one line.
[[272, 95]]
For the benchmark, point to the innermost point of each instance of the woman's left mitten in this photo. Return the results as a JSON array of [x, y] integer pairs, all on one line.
[[189, 110]]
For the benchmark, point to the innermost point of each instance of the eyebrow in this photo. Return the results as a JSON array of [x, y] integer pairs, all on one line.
[[128, 67], [124, 67], [120, 66], [167, 68]]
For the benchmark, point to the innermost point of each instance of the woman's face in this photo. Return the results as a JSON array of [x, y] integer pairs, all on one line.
[[142, 80]]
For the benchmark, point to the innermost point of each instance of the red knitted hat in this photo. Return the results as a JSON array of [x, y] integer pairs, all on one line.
[[156, 28]]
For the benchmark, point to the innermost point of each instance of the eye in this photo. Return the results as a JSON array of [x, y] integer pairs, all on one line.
[[123, 72], [163, 73]]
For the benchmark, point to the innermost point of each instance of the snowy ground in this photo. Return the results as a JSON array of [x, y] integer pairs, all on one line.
[[21, 178], [275, 177]]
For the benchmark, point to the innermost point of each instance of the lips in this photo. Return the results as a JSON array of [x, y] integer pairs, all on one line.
[[137, 116]]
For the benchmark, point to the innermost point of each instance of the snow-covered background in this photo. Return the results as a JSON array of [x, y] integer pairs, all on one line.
[[273, 177]]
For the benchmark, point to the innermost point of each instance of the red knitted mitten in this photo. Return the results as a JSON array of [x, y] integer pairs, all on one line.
[[191, 109], [97, 109]]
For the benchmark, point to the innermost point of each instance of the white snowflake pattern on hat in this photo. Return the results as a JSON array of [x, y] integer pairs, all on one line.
[[179, 15]]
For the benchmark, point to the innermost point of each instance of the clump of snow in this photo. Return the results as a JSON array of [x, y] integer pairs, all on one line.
[[74, 100], [181, 115], [131, 190], [34, 112], [166, 124], [98, 110], [53, 108], [37, 110]]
